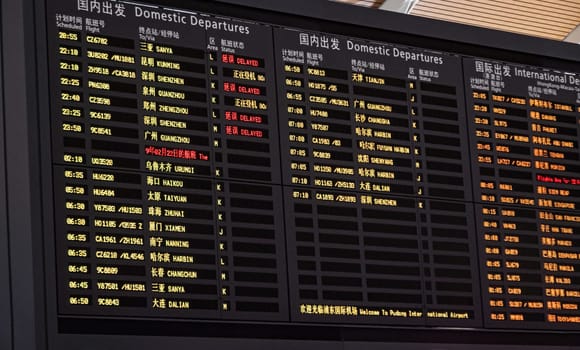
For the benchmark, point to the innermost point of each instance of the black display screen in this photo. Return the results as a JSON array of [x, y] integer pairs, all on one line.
[[218, 169]]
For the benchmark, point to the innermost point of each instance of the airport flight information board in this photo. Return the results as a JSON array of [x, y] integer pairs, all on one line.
[[214, 168]]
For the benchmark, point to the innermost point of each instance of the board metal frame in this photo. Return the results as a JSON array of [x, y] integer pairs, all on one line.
[[34, 324]]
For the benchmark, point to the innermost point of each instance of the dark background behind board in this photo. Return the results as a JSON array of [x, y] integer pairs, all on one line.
[[28, 318]]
